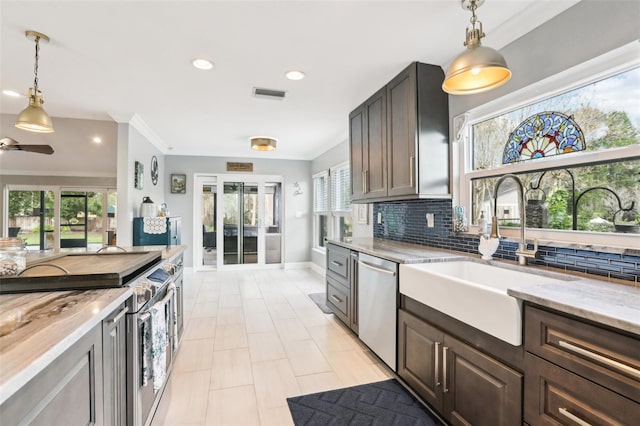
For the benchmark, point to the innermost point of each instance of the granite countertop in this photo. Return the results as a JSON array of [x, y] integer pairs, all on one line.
[[612, 304], [36, 328], [609, 303], [398, 252]]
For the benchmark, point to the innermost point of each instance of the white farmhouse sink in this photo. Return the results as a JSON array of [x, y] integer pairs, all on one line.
[[474, 293]]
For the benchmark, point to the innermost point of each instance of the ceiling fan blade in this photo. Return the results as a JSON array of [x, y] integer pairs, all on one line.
[[40, 149], [8, 144]]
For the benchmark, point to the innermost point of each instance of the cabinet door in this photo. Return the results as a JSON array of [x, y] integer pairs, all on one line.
[[419, 357], [478, 389], [353, 259], [67, 392], [402, 131], [357, 148], [375, 152], [114, 343]]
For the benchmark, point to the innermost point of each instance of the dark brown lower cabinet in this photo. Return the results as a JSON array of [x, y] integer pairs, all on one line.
[[464, 385], [556, 396]]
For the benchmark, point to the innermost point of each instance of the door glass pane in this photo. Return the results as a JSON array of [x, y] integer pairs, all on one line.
[[231, 222], [112, 202], [73, 219], [272, 215], [209, 224], [250, 223], [95, 219], [31, 218]]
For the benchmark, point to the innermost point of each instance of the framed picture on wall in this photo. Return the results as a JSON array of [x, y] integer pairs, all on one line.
[[138, 175], [178, 184]]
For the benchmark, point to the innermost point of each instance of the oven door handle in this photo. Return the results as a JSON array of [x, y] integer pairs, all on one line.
[[164, 301]]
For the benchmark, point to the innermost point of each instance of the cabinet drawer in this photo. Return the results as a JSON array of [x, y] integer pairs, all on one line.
[[555, 396], [601, 355], [338, 262], [338, 300]]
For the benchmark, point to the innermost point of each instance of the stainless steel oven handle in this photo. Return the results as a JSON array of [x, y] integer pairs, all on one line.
[[164, 301], [375, 268]]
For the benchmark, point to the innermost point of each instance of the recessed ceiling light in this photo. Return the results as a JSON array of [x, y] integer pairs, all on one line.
[[295, 75], [202, 63], [96, 139], [12, 93]]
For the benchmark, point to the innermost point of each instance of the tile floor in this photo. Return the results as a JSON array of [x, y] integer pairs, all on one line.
[[252, 339]]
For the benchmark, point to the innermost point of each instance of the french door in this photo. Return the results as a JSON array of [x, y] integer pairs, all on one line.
[[248, 225]]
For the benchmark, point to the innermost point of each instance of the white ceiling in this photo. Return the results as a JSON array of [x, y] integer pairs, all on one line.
[[117, 59]]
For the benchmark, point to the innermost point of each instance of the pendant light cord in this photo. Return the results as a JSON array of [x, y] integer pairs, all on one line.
[[35, 67], [474, 18]]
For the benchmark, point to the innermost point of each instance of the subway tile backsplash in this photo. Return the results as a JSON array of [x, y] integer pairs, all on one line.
[[405, 221]]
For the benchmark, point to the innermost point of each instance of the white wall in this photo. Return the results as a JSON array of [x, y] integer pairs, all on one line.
[[297, 230], [132, 147]]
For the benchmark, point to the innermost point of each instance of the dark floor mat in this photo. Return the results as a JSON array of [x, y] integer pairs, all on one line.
[[382, 403], [320, 299]]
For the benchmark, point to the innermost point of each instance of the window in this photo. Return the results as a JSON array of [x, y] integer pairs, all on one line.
[[576, 150], [320, 208], [332, 205], [341, 201]]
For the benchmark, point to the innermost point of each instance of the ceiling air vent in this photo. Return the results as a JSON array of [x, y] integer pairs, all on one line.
[[268, 93]]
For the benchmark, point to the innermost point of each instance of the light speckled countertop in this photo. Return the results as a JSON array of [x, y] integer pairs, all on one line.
[[36, 328], [609, 303], [398, 252]]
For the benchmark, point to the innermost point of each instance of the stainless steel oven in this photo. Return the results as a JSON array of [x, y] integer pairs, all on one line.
[[156, 290]]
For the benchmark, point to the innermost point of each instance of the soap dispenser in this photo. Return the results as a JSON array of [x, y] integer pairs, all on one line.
[[482, 224]]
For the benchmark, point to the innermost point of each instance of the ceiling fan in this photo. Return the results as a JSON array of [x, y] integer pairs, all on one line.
[[8, 144]]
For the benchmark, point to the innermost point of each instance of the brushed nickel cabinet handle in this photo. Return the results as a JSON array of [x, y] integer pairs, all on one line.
[[623, 368], [437, 363], [333, 262], [336, 298], [563, 411], [445, 349], [411, 167], [119, 316], [364, 178]]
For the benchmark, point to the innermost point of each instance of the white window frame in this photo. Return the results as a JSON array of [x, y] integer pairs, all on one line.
[[614, 62], [317, 214], [333, 215]]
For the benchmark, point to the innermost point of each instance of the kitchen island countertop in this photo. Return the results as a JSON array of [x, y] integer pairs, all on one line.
[[36, 328]]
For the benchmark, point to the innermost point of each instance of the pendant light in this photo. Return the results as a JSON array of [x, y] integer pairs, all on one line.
[[478, 68], [263, 143], [34, 118]]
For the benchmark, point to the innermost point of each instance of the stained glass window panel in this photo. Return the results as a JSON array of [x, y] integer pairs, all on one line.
[[543, 135]]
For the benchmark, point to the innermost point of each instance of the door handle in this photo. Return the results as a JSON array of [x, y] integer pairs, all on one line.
[[563, 411], [336, 298], [119, 316], [437, 364], [333, 262], [445, 349], [625, 369], [411, 171], [377, 269]]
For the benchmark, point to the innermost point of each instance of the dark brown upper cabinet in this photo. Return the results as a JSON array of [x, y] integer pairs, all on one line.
[[399, 139]]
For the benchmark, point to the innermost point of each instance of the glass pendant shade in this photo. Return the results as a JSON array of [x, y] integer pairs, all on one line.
[[477, 69], [34, 118], [263, 144]]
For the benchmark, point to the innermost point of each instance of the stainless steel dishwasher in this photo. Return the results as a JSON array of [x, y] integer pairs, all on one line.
[[377, 306]]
